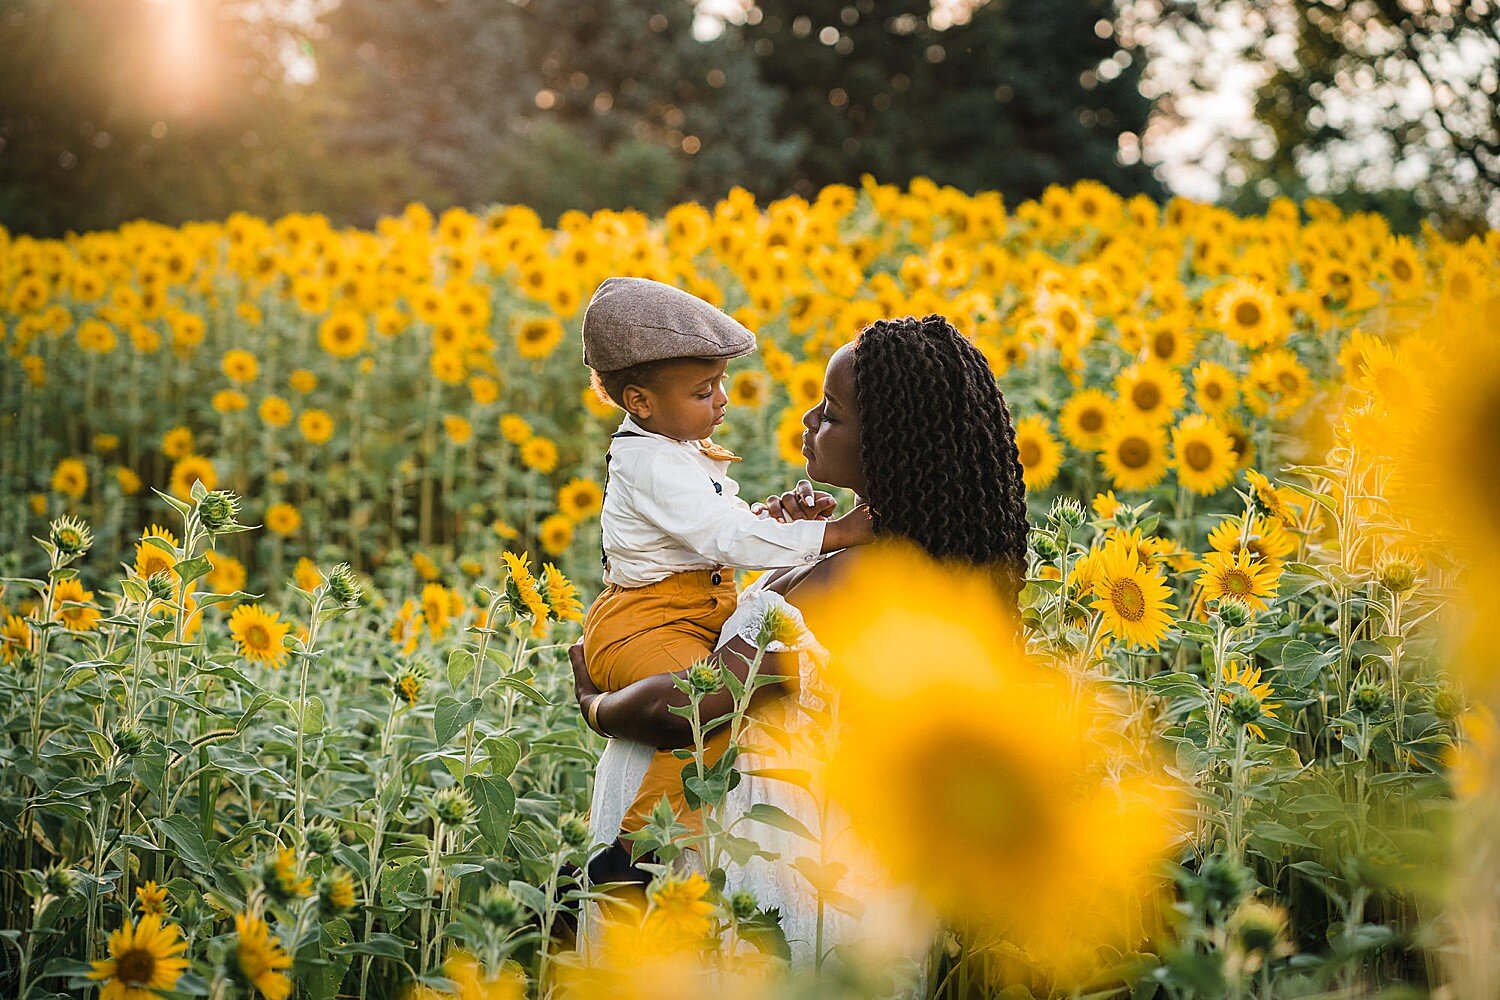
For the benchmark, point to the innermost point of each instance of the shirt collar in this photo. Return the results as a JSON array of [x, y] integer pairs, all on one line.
[[629, 424]]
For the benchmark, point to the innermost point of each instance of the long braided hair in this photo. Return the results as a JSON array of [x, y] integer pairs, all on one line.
[[939, 448]]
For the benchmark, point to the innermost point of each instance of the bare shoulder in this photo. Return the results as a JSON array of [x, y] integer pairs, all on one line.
[[810, 581]]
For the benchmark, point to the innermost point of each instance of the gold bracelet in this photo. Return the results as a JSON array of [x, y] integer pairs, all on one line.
[[593, 715]]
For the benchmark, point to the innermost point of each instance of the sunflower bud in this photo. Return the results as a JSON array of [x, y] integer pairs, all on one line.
[[743, 904], [1398, 575], [1447, 702], [1367, 698], [1225, 881], [704, 677], [26, 661], [1044, 544], [336, 893], [71, 536], [1067, 513], [130, 740], [408, 681], [160, 586], [1245, 709], [453, 806], [575, 832], [1235, 613], [498, 907], [343, 587], [60, 881], [218, 510], [320, 838], [1258, 928]]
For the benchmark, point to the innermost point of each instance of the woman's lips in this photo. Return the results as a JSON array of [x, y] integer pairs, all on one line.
[[807, 449]]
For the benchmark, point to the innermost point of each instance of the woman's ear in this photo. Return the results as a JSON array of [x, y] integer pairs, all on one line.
[[637, 402]]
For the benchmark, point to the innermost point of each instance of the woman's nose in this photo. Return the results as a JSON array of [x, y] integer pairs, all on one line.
[[810, 418]]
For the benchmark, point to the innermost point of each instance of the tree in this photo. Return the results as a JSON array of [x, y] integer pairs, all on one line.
[[1365, 101], [102, 122], [1017, 95]]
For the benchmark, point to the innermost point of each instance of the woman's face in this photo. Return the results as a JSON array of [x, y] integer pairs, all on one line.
[[830, 442]]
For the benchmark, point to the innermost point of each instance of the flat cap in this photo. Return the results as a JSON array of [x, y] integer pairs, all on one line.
[[630, 321]]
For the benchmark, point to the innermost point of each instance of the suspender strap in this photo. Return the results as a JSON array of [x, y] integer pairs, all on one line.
[[604, 490]]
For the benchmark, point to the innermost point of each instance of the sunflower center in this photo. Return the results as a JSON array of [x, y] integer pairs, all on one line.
[[1288, 381], [1068, 322], [135, 967], [256, 637], [1237, 583], [1146, 396], [1031, 453], [1213, 390], [1135, 453], [1198, 456], [1460, 286], [1165, 343], [1247, 314], [1128, 600], [1401, 269], [1091, 421]]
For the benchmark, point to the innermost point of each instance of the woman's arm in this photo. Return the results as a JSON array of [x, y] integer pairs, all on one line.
[[640, 711]]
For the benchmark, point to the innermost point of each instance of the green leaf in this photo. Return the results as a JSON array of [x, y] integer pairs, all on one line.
[[186, 837], [504, 754], [494, 808], [526, 690], [192, 569], [312, 716], [529, 896], [378, 944], [1176, 685], [451, 715], [460, 666], [764, 812], [1302, 662]]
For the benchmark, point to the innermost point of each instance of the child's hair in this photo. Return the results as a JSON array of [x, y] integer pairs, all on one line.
[[610, 386]]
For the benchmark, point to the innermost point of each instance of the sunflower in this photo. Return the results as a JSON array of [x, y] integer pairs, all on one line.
[[344, 333], [560, 594], [1215, 389], [96, 337], [804, 384], [749, 388], [1132, 597], [789, 437], [439, 604], [283, 518], [1267, 540], [227, 575], [316, 426], [282, 877], [258, 634], [1150, 390], [679, 905], [515, 429], [239, 366], [447, 366], [555, 534], [1040, 452], [1279, 382], [539, 454], [80, 619], [1238, 575], [229, 401], [15, 637], [580, 499], [1249, 314], [1269, 498], [1203, 453], [71, 478], [274, 411], [1106, 505], [1134, 453], [144, 959], [152, 899], [538, 336], [190, 469], [177, 442], [525, 599], [456, 429], [1067, 320], [1404, 269], [947, 735], [302, 381], [258, 959], [151, 558], [306, 575], [1247, 679], [1085, 418], [1170, 341]]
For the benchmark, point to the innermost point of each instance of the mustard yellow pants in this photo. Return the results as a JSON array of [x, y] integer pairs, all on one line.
[[635, 632]]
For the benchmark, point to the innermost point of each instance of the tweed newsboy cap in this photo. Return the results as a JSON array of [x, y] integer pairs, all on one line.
[[630, 321]]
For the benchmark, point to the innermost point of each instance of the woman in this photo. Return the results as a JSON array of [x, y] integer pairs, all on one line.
[[910, 420]]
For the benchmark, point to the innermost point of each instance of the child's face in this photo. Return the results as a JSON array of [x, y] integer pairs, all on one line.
[[686, 400]]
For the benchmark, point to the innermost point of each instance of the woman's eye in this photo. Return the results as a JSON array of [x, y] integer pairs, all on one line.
[[823, 415]]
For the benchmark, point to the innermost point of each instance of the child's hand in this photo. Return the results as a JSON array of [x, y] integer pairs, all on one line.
[[803, 503]]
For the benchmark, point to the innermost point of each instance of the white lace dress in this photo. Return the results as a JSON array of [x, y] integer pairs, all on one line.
[[858, 909]]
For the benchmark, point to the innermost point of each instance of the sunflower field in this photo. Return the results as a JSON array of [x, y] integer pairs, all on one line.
[[299, 522]]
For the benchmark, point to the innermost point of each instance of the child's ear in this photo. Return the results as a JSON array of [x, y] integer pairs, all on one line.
[[637, 402]]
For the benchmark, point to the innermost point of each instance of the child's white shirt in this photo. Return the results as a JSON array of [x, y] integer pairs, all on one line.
[[670, 508]]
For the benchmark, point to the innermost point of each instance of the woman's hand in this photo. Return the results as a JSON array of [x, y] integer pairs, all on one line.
[[583, 685], [802, 503]]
